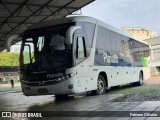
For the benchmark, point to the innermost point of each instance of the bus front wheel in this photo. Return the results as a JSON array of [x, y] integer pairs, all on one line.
[[101, 86], [61, 96]]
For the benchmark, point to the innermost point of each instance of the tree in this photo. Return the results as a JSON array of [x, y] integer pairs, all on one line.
[[9, 59]]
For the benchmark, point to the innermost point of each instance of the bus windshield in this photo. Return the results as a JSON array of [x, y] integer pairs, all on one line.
[[44, 50]]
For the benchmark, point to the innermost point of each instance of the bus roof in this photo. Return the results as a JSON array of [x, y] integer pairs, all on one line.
[[80, 18], [61, 21]]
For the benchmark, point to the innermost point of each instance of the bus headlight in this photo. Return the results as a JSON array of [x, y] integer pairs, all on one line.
[[70, 75], [65, 77]]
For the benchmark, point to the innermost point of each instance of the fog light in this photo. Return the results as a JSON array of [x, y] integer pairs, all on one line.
[[70, 86], [72, 74]]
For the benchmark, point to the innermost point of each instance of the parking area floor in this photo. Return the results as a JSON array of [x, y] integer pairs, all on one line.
[[101, 107], [82, 107]]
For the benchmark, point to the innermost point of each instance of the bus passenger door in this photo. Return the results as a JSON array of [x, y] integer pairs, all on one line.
[[81, 64]]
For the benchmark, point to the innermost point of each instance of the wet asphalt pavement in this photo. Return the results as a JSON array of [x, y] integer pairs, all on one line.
[[16, 101]]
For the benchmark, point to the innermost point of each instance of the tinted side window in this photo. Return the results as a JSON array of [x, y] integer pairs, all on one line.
[[134, 44], [88, 31], [119, 41], [125, 46], [124, 53], [103, 39], [143, 49], [113, 41], [80, 50], [135, 51], [116, 41]]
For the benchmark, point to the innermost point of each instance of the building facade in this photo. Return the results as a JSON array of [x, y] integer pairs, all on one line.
[[140, 33], [154, 59], [9, 72]]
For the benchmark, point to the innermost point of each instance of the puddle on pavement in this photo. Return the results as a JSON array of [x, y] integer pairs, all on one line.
[[52, 105]]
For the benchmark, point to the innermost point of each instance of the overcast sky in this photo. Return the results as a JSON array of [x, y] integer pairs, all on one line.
[[126, 13]]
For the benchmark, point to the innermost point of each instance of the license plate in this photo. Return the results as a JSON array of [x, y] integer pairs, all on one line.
[[43, 91]]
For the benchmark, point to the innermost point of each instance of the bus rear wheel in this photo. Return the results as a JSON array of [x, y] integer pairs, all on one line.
[[140, 82], [140, 79], [101, 86]]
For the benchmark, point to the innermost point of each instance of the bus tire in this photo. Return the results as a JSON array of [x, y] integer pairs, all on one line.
[[101, 86], [61, 96], [140, 82], [140, 79]]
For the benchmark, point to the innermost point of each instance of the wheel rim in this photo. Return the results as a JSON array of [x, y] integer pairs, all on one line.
[[100, 86]]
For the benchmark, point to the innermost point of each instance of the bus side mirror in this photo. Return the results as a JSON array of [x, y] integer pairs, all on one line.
[[9, 41], [69, 34]]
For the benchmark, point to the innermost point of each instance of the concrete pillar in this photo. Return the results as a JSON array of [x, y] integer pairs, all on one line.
[[151, 54]]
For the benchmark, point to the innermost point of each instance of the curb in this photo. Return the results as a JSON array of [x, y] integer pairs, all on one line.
[[9, 91]]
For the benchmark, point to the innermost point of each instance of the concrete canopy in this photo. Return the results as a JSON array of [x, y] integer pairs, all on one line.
[[17, 15]]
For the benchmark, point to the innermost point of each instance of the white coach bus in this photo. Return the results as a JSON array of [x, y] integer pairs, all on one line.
[[78, 54]]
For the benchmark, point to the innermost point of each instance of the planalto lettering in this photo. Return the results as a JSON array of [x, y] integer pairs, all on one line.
[[110, 58], [54, 75]]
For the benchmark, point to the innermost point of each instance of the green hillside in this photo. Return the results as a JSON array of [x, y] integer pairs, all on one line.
[[9, 59]]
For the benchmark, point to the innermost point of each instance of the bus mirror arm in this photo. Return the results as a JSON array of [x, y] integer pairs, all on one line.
[[12, 38], [69, 34]]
